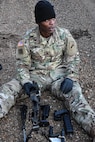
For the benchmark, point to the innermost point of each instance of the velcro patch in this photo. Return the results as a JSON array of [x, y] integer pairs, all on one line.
[[20, 51]]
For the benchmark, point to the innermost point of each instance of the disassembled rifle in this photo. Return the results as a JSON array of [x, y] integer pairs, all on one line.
[[37, 122]]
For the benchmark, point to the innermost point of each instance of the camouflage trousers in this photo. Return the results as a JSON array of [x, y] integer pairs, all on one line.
[[74, 100]]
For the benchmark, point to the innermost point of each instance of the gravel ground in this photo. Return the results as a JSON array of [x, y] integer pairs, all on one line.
[[15, 18]]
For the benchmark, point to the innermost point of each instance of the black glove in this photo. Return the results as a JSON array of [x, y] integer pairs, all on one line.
[[30, 87], [66, 85]]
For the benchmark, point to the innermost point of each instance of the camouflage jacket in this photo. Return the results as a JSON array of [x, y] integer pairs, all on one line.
[[50, 56]]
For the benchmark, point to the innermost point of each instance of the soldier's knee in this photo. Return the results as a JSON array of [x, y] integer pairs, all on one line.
[[14, 85], [76, 87], [11, 88], [6, 102]]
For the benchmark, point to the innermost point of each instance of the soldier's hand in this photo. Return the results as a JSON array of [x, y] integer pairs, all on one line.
[[66, 85], [29, 87]]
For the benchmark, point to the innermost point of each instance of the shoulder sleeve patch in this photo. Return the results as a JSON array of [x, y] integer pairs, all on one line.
[[71, 44], [72, 48]]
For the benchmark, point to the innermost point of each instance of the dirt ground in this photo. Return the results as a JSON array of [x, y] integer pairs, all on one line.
[[16, 17]]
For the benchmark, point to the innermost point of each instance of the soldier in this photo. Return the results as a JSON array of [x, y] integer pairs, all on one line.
[[49, 56]]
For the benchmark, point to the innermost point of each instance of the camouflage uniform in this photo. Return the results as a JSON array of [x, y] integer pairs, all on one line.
[[48, 61]]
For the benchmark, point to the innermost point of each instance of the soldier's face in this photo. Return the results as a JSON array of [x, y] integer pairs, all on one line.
[[47, 27]]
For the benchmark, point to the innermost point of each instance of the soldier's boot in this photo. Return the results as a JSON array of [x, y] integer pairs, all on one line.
[[8, 94]]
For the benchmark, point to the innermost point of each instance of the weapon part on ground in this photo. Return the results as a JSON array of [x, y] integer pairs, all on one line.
[[56, 137], [45, 114], [23, 110], [39, 116], [65, 116]]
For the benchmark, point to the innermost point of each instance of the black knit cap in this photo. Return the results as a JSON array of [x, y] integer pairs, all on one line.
[[44, 11]]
